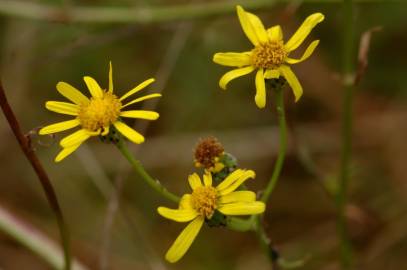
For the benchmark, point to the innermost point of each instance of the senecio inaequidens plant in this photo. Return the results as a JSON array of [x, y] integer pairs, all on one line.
[[222, 194]]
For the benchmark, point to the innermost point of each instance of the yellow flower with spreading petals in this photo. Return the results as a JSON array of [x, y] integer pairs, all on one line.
[[202, 203], [269, 55], [96, 114]]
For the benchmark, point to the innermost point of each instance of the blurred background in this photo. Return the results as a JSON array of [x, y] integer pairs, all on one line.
[[122, 230]]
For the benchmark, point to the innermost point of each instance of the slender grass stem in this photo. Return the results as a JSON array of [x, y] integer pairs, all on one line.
[[341, 198], [159, 14], [42, 175], [36, 241], [153, 183]]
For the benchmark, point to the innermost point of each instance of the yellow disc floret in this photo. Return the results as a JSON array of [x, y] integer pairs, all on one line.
[[268, 55], [100, 112], [204, 200]]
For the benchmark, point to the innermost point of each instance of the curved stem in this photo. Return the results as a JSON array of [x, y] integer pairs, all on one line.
[[153, 183], [283, 146], [42, 175], [341, 196], [240, 224]]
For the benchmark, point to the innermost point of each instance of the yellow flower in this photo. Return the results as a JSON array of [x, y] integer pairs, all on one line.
[[202, 203], [96, 114], [269, 55]]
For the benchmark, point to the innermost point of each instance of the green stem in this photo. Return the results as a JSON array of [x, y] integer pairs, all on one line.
[[341, 198], [153, 183], [261, 233], [264, 240], [283, 146], [240, 224]]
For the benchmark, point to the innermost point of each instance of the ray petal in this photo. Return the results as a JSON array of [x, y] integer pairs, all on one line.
[[147, 115], [62, 107], [232, 59], [71, 93], [303, 31], [184, 240], [128, 132], [57, 127], [233, 74]]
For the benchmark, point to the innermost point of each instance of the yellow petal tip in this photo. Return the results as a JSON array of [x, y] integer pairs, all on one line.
[[260, 102], [140, 141], [57, 159], [252, 173], [222, 86], [171, 259], [160, 209], [41, 132], [59, 84]]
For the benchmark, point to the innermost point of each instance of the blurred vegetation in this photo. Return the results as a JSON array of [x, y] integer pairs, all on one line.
[[300, 218]]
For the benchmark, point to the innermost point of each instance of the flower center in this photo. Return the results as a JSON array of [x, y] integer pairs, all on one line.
[[204, 200], [268, 55], [100, 112]]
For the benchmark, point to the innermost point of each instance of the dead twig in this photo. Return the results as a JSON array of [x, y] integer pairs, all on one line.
[[25, 145]]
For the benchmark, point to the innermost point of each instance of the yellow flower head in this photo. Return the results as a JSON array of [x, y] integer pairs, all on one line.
[[96, 114], [202, 203], [269, 55]]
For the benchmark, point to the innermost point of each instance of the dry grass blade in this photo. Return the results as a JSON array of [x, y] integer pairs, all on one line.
[[364, 47], [34, 240]]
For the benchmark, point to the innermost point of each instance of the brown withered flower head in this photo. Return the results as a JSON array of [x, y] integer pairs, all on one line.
[[207, 154]]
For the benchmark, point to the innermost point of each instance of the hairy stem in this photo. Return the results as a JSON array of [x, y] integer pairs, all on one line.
[[153, 183], [46, 185]]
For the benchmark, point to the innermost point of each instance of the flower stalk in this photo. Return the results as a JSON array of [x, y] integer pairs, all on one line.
[[153, 183], [259, 228], [283, 144], [240, 224]]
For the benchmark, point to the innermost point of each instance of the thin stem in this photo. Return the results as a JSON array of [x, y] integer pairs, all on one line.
[[341, 198], [283, 146], [153, 183], [88, 14], [71, 14], [25, 145], [261, 233]]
